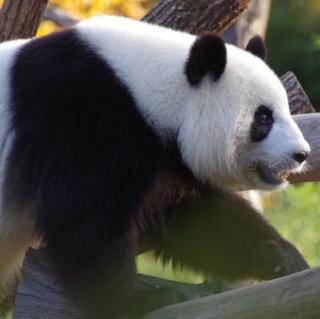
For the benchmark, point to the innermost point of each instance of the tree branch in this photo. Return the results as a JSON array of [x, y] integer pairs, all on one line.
[[298, 99], [20, 19], [196, 16], [291, 297], [310, 127], [59, 17]]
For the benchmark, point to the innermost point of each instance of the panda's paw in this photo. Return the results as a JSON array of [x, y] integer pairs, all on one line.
[[277, 259]]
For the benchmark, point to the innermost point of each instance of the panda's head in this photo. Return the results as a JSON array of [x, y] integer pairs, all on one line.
[[236, 127]]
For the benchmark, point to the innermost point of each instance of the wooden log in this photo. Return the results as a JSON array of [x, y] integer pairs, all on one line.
[[310, 127], [298, 99], [292, 297], [40, 297], [196, 16], [20, 19]]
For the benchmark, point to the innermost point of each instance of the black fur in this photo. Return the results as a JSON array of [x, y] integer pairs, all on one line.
[[208, 54], [257, 47], [84, 157], [261, 124], [221, 235], [100, 181]]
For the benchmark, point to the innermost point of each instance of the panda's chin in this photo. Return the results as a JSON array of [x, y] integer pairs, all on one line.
[[270, 187], [271, 178]]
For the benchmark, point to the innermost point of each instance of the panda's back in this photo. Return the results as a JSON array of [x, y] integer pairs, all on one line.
[[61, 73], [70, 113]]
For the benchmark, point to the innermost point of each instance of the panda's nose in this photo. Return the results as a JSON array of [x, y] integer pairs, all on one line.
[[300, 156]]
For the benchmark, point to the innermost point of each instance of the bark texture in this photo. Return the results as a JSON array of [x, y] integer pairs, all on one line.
[[298, 99], [20, 19], [310, 127], [292, 297], [196, 16]]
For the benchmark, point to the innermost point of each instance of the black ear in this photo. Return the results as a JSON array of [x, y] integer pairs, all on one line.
[[257, 47], [207, 54]]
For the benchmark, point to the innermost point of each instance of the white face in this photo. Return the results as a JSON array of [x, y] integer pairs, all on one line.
[[238, 130]]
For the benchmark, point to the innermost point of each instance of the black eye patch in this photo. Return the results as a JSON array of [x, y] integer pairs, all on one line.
[[261, 124]]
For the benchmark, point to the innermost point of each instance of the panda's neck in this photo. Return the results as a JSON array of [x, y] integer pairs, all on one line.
[[149, 60]]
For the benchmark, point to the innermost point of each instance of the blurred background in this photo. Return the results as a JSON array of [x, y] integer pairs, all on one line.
[[293, 40]]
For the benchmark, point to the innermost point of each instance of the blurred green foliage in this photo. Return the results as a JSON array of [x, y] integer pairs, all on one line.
[[293, 40], [147, 264], [296, 214]]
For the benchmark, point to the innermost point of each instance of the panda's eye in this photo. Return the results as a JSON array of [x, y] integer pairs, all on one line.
[[262, 124], [263, 115]]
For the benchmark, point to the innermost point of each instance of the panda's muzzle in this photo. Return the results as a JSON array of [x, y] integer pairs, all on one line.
[[271, 175]]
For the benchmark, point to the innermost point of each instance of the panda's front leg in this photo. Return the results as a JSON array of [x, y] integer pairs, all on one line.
[[99, 277], [222, 235]]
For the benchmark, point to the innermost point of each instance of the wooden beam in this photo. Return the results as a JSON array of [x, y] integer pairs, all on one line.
[[292, 297], [310, 127], [41, 297], [298, 99]]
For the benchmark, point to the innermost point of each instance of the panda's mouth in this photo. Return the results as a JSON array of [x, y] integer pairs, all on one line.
[[271, 175]]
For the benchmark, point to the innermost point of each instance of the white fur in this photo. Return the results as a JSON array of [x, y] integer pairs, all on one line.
[[149, 59], [213, 120], [8, 50]]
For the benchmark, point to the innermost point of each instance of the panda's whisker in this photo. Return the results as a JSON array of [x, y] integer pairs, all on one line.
[[305, 168]]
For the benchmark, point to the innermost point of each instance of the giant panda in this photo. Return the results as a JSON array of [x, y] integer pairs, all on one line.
[[116, 134]]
